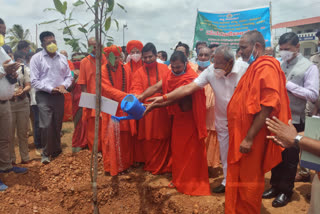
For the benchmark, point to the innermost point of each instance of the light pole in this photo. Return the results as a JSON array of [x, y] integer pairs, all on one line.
[[125, 26]]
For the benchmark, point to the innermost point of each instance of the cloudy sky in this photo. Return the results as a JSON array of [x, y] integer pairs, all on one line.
[[163, 22]]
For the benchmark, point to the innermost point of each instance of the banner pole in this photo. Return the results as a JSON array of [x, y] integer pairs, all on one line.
[[270, 9], [195, 25]]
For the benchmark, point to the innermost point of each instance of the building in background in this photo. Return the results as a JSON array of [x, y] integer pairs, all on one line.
[[306, 30]]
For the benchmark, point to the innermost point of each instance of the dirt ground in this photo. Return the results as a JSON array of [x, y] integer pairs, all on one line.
[[63, 186]]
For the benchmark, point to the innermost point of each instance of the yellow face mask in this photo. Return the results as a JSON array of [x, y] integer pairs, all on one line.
[[1, 40], [52, 48]]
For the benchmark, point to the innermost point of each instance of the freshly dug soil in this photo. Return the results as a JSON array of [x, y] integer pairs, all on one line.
[[64, 186]]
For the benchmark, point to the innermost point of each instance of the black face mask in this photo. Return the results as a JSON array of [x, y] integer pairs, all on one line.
[[10, 79]]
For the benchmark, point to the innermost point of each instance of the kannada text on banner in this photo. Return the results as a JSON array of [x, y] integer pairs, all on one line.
[[227, 28]]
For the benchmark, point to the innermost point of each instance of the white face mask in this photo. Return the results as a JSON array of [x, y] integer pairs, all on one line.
[[160, 61], [135, 57], [286, 55], [219, 72]]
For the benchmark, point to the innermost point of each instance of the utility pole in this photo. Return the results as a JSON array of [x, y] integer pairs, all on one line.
[[125, 26], [37, 35]]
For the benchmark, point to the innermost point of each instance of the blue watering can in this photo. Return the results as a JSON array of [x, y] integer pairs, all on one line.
[[131, 105]]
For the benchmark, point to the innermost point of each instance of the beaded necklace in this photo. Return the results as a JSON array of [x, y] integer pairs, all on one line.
[[123, 77], [157, 73]]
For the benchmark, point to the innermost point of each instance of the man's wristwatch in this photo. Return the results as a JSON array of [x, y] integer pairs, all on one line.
[[297, 140]]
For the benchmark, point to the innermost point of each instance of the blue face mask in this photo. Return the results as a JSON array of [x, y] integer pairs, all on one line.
[[183, 72], [203, 64], [251, 58], [94, 56]]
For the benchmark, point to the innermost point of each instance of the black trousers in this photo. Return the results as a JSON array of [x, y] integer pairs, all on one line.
[[51, 109], [283, 175]]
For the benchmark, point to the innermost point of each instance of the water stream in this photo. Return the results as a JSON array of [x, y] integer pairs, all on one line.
[[113, 136]]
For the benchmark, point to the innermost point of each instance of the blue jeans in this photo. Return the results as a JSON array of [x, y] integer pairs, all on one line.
[[36, 129]]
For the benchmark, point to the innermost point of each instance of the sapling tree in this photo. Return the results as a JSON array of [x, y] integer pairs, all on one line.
[[102, 11]]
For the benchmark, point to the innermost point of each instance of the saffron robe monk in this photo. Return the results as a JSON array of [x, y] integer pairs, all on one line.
[[189, 158], [154, 130], [260, 93], [134, 62], [184, 48], [87, 80], [115, 83], [79, 139]]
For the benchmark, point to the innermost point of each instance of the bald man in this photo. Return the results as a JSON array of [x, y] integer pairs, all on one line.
[[261, 93]]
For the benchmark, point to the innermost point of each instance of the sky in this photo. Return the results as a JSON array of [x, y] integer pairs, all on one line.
[[163, 22]]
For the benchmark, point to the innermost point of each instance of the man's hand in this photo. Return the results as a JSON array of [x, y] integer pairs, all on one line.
[[154, 100], [18, 92], [138, 96], [10, 68], [285, 134], [59, 90], [62, 89], [55, 91], [149, 107], [245, 146], [279, 142]]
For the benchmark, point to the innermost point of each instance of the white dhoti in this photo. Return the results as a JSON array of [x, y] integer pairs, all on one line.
[[223, 138]]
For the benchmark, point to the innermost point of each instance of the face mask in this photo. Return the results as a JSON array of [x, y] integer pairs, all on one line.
[[251, 58], [94, 56], [1, 40], [183, 72], [219, 72], [76, 65], [52, 48], [135, 57], [286, 55], [160, 61], [203, 64], [151, 65]]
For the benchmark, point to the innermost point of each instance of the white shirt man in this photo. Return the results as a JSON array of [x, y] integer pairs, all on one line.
[[223, 88]]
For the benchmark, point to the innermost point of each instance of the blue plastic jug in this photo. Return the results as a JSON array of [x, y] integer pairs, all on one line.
[[133, 107]]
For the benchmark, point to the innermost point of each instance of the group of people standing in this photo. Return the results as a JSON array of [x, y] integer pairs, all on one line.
[[196, 113]]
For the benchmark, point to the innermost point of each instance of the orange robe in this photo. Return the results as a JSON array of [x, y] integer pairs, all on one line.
[[155, 128], [212, 144], [133, 66], [264, 83], [67, 115], [117, 150], [87, 76], [189, 158]]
